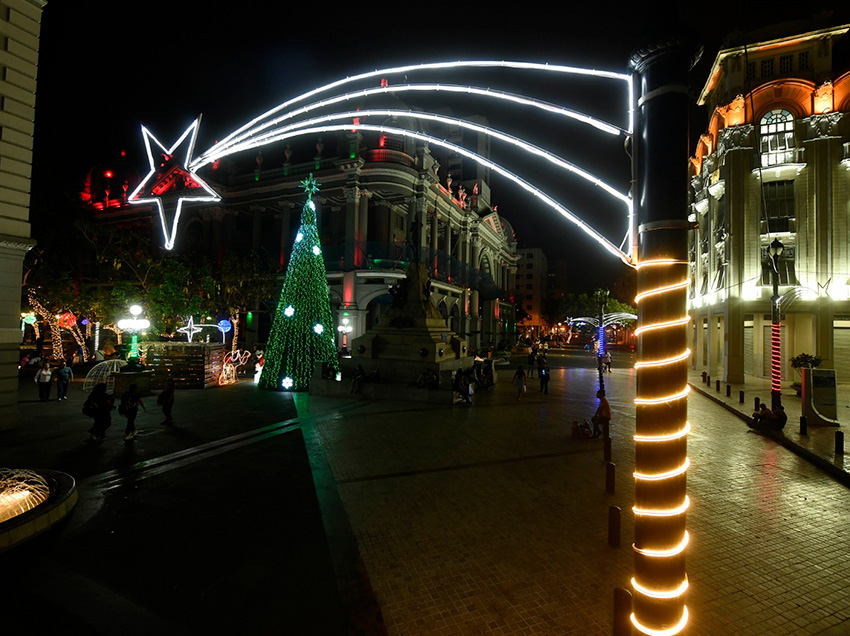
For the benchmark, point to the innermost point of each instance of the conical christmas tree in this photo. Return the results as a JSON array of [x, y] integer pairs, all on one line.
[[302, 331]]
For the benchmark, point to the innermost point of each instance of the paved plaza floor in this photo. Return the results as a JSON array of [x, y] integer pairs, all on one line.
[[300, 515]]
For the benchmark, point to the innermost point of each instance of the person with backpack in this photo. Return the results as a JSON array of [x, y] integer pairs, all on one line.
[[99, 405], [131, 400]]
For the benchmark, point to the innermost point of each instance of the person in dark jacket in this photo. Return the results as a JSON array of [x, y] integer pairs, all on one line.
[[166, 401], [99, 405], [130, 403]]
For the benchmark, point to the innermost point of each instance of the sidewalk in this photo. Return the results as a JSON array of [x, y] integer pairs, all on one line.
[[817, 447]]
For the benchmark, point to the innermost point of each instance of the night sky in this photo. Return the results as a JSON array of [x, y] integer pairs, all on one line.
[[103, 71]]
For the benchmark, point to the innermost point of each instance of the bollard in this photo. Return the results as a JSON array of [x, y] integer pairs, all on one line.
[[609, 478], [839, 443], [703, 377], [606, 446], [708, 380], [804, 425], [740, 397], [717, 385], [728, 390], [622, 611], [614, 526], [756, 401]]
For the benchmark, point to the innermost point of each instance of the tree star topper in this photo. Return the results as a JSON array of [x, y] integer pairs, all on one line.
[[311, 186], [170, 181]]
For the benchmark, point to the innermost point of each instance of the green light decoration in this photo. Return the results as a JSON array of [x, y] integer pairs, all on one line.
[[298, 339]]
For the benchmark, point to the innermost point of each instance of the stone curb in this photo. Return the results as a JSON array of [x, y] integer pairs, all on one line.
[[832, 470]]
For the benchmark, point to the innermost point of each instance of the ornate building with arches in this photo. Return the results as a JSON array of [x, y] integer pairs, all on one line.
[[773, 164], [383, 201]]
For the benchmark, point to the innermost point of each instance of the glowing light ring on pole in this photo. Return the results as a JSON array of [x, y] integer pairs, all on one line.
[[669, 512], [647, 478], [665, 438], [528, 187], [666, 553], [528, 66], [662, 632], [681, 589], [135, 197], [776, 357]]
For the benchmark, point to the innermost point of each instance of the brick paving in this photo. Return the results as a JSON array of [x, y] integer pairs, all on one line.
[[491, 519]]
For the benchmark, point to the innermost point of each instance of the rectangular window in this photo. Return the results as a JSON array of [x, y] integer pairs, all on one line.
[[779, 212], [751, 71], [803, 61], [767, 68], [786, 64]]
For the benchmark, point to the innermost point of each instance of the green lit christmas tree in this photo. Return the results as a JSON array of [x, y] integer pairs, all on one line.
[[302, 331]]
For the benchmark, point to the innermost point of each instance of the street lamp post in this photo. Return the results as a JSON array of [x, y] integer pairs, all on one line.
[[602, 301], [775, 251], [134, 325]]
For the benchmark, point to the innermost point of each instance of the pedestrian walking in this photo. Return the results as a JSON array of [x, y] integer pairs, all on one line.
[[608, 361], [519, 380], [129, 408], [166, 401], [602, 418], [99, 405], [532, 357], [543, 372], [43, 377], [64, 374]]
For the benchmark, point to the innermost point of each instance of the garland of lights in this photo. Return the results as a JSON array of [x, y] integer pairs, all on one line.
[[661, 461], [299, 338], [52, 322]]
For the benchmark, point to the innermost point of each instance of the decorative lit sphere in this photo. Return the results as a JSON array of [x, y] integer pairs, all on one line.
[[67, 320], [316, 250], [225, 325], [298, 237], [311, 205], [289, 312], [135, 310], [287, 383], [319, 329]]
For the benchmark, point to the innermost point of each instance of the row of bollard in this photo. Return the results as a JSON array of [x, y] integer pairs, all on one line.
[[622, 625]]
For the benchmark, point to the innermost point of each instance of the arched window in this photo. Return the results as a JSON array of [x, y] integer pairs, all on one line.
[[776, 132]]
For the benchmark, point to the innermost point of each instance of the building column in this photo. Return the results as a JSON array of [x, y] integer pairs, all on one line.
[[360, 257], [285, 239], [449, 250], [352, 224], [432, 265]]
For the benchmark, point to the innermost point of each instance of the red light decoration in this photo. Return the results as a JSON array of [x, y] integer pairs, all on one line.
[[775, 358], [67, 320], [108, 174]]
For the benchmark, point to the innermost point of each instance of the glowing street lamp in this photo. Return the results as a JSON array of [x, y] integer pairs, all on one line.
[[134, 325], [775, 251], [345, 329]]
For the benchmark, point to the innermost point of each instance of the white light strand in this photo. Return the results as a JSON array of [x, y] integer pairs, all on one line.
[[521, 100], [662, 290], [667, 398], [613, 249], [532, 66], [450, 121]]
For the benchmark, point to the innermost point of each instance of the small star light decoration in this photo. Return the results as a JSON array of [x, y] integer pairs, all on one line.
[[190, 329], [311, 187]]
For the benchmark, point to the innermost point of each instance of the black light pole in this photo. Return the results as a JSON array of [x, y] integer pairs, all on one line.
[[775, 251]]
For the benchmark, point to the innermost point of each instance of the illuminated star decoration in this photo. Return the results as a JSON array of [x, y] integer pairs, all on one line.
[[170, 181], [190, 329], [311, 186]]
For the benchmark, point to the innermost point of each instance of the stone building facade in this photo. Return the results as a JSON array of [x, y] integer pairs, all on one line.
[[19, 36], [773, 164]]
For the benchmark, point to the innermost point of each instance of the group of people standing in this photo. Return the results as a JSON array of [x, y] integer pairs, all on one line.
[[100, 404], [45, 377]]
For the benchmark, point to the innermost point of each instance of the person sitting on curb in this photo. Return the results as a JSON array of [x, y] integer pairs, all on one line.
[[762, 417]]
